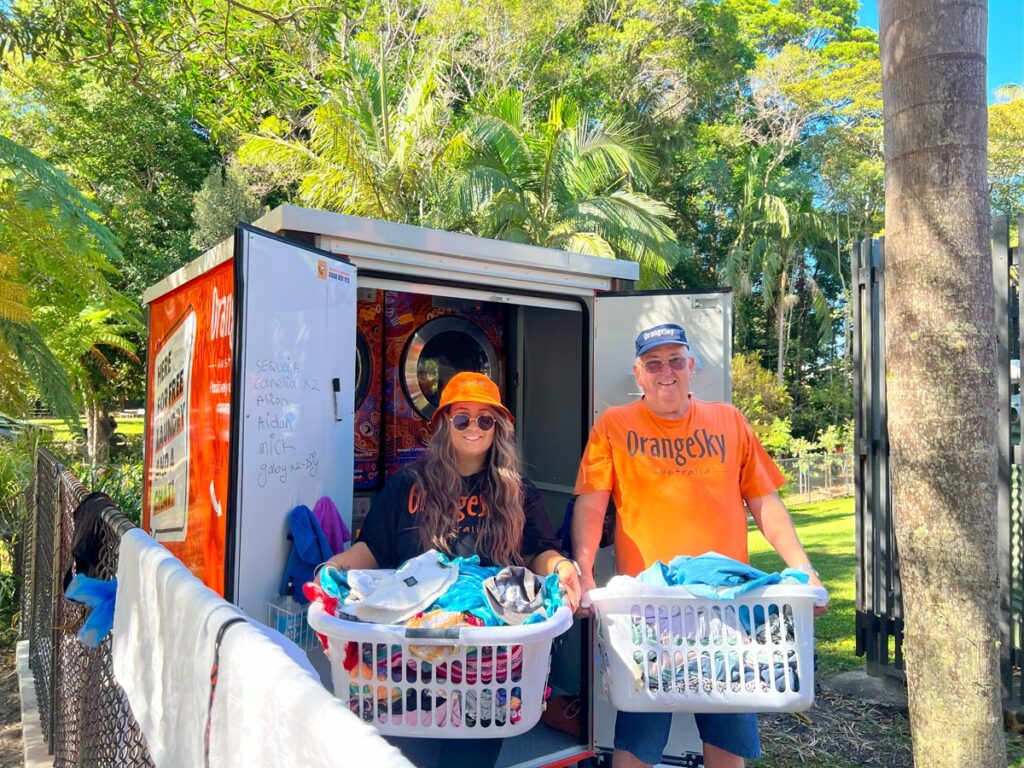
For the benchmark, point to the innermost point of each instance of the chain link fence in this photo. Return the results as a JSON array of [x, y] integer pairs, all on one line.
[[83, 711], [817, 476]]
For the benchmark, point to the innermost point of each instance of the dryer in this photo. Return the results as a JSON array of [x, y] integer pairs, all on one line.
[[366, 471], [428, 339]]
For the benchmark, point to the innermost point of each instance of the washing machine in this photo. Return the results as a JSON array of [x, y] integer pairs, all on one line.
[[367, 474], [428, 339]]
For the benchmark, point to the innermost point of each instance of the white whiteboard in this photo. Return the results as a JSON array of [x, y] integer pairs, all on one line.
[[294, 429]]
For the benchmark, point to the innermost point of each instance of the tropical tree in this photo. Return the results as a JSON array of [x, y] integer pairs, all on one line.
[[1006, 152], [225, 199], [777, 228], [568, 182], [52, 251], [940, 353], [86, 341], [140, 171], [368, 149]]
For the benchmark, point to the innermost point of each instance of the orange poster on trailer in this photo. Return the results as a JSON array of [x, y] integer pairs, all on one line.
[[188, 422]]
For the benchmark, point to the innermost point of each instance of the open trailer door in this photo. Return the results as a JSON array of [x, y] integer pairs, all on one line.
[[618, 317], [292, 403]]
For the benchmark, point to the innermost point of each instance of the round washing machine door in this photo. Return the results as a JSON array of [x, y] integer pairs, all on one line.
[[437, 351], [364, 370]]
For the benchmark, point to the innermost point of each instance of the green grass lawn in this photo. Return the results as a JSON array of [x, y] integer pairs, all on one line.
[[826, 530], [62, 433]]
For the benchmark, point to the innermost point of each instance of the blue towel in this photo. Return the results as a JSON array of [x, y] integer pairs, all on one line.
[[100, 595], [309, 548], [467, 593], [714, 575]]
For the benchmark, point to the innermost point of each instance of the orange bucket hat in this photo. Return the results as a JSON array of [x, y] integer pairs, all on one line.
[[470, 387]]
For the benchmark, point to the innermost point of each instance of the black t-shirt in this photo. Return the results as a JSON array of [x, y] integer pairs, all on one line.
[[391, 533]]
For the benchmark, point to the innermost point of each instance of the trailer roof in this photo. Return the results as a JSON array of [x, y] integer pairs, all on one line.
[[408, 251]]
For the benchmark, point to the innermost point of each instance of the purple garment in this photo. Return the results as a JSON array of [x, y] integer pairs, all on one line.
[[333, 526]]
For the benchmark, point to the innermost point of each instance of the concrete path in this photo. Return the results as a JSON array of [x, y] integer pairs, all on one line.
[[36, 754]]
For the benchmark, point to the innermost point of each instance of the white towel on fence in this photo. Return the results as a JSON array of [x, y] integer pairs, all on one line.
[[269, 711], [165, 624]]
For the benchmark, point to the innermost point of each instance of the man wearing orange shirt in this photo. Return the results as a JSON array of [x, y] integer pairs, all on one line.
[[682, 473]]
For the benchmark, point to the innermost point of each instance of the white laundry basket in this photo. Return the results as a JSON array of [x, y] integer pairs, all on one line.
[[661, 649], [484, 682]]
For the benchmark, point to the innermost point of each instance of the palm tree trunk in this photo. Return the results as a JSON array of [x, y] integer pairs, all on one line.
[[941, 346], [780, 330], [101, 429]]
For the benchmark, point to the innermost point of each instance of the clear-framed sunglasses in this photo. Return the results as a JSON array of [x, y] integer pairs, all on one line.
[[461, 421]]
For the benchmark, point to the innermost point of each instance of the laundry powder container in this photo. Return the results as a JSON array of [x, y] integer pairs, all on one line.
[[462, 682], [663, 649]]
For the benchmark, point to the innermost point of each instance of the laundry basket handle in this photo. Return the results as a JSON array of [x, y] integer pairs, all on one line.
[[428, 633]]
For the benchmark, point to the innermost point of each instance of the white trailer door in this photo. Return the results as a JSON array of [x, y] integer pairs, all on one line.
[[618, 318], [293, 425]]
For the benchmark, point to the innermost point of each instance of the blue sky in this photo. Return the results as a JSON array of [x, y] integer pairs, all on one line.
[[1005, 40]]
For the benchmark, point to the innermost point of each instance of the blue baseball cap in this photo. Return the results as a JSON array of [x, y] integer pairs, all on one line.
[[669, 333]]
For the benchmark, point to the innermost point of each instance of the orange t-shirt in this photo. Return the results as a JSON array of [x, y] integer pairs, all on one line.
[[678, 484]]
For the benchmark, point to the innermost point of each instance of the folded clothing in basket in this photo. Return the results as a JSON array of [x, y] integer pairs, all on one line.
[[393, 665], [441, 709], [723, 672], [712, 575], [717, 661], [393, 597], [464, 591]]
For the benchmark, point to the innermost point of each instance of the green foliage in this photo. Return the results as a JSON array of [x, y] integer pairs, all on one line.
[[1006, 152], [140, 173], [121, 479], [825, 399], [568, 182], [16, 456], [224, 200], [367, 149], [777, 438], [754, 125], [837, 438], [57, 251], [756, 392]]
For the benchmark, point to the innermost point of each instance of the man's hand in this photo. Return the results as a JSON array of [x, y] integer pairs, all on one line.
[[814, 581], [587, 583], [569, 580]]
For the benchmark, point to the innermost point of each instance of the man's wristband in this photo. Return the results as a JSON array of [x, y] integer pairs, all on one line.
[[808, 569], [554, 568]]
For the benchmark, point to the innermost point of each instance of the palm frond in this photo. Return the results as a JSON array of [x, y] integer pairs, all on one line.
[[14, 296], [588, 243], [53, 185], [27, 345]]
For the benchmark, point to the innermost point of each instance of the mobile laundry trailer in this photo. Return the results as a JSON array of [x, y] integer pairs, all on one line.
[[303, 358]]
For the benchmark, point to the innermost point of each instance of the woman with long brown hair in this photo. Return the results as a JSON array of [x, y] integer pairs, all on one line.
[[465, 497]]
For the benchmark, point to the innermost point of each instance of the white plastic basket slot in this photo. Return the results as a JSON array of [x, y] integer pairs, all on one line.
[[463, 682], [661, 649]]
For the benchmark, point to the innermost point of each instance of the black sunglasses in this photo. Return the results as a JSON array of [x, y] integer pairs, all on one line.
[[461, 421], [655, 366]]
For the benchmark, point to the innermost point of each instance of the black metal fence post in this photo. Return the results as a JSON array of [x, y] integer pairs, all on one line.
[[879, 617]]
